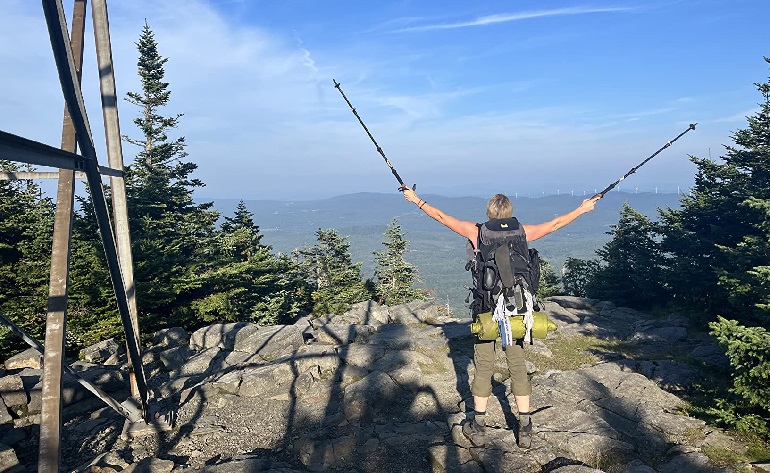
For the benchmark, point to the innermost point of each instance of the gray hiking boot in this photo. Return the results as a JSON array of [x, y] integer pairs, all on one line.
[[525, 435], [474, 432]]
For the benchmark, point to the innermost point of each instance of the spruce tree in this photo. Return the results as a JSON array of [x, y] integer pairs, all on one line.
[[171, 234], [577, 273], [394, 276], [630, 273], [549, 281], [718, 242], [329, 271], [26, 230], [244, 281]]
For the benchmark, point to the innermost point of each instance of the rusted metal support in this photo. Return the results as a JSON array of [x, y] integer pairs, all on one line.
[[29, 175], [16, 148], [130, 413], [56, 321], [57, 30], [115, 160]]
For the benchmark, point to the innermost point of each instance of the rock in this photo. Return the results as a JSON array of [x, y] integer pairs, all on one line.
[[5, 416], [271, 342], [220, 335], [102, 352], [151, 465], [573, 302], [343, 334], [171, 337], [8, 460], [376, 385], [324, 357], [265, 381], [363, 313], [661, 334], [173, 358], [711, 354], [12, 391], [29, 358]]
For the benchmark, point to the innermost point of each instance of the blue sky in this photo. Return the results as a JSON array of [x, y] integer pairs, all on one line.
[[465, 98]]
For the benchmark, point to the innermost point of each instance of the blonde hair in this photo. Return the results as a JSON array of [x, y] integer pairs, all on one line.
[[499, 206]]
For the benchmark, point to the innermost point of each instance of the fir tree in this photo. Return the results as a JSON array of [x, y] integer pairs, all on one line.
[[394, 276], [549, 281], [718, 241], [576, 275], [244, 281], [631, 272], [329, 271], [26, 230]]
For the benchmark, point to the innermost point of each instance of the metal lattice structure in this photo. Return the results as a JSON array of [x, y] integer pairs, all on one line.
[[115, 236]]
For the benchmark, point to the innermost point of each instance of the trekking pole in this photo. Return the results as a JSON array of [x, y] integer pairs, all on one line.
[[379, 150], [633, 170]]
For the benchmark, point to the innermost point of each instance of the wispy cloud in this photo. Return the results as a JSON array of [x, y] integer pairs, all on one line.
[[508, 17]]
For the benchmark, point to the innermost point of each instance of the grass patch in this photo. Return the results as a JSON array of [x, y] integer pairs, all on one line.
[[569, 353]]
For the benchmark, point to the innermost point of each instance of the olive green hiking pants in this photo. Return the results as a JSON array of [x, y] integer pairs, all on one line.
[[484, 359]]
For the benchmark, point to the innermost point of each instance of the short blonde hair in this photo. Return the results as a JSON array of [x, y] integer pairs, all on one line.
[[499, 206]]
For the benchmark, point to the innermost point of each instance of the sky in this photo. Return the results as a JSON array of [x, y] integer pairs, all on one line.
[[464, 98]]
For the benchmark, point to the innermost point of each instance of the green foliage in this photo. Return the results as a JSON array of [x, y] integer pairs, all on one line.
[[243, 281], [576, 275], [718, 242], [394, 277], [328, 271], [748, 349], [26, 229], [630, 270], [171, 235], [549, 281]]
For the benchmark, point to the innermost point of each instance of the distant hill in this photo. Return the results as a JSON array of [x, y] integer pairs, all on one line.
[[437, 252]]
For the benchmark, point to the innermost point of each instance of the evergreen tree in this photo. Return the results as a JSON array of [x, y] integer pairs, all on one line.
[[631, 272], [576, 274], [718, 241], [394, 277], [26, 230], [549, 281], [171, 236], [244, 281], [329, 271]]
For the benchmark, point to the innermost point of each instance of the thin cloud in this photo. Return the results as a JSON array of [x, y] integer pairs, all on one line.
[[508, 17]]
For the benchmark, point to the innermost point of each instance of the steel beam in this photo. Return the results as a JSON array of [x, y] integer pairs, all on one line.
[[30, 175], [115, 160], [56, 321], [57, 30], [16, 148]]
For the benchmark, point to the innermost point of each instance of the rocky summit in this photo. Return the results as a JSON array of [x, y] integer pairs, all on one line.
[[378, 389]]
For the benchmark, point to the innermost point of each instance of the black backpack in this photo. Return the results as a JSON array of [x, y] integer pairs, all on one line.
[[504, 263]]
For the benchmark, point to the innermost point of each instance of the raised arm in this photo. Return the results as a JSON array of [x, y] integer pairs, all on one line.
[[466, 229], [542, 229]]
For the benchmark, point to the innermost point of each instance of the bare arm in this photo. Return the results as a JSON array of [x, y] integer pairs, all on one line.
[[542, 229], [461, 227]]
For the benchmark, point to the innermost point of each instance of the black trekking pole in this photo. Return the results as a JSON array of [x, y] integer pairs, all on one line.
[[633, 170], [379, 150]]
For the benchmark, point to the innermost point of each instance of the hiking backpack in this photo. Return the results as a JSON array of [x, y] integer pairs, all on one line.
[[503, 264]]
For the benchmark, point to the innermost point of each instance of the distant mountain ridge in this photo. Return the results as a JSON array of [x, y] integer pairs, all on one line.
[[438, 253]]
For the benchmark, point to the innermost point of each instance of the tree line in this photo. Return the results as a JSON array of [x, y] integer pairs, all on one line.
[[709, 259]]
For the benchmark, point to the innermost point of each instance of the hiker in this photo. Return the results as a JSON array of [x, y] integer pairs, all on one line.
[[499, 207]]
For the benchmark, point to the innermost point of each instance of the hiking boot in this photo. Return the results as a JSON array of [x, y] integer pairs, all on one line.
[[474, 432], [525, 435]]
